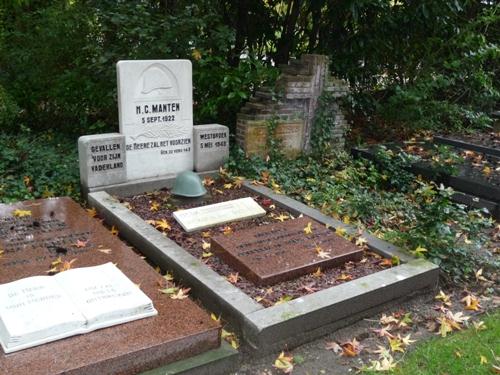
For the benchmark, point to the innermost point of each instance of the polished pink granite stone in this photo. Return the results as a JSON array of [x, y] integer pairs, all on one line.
[[30, 244], [276, 252]]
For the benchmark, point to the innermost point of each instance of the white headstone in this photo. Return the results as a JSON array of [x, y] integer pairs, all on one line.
[[219, 213], [102, 159], [211, 146], [155, 109]]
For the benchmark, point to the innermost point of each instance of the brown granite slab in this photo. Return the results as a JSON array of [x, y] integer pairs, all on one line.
[[30, 244], [282, 251]]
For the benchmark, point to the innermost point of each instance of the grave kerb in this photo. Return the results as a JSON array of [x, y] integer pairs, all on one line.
[[270, 328]]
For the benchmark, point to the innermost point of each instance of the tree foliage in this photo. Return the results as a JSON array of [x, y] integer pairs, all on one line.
[[430, 63]]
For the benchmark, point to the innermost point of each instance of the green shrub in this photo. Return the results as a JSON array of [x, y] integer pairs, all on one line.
[[58, 59], [8, 109], [386, 199], [37, 165]]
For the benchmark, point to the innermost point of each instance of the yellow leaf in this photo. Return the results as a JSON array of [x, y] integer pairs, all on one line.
[[284, 363], [444, 298], [196, 54], [206, 234], [214, 317], [487, 171], [181, 293], [205, 245], [67, 265], [317, 273], [169, 291], [282, 217], [346, 219], [479, 275], [321, 253], [162, 225], [283, 299], [361, 241], [458, 354], [235, 344], [276, 188], [385, 319], [471, 302], [238, 181], [479, 326], [155, 206], [208, 181], [419, 251], [483, 360], [207, 254], [396, 345], [233, 278], [340, 231], [406, 340], [227, 230], [344, 277], [169, 276], [114, 231], [308, 228], [351, 348], [228, 186], [92, 212], [21, 213]]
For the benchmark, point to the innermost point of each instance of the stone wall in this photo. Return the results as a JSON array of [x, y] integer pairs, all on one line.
[[292, 103]]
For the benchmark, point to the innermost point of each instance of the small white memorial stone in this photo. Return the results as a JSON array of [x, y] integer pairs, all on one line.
[[211, 146], [102, 159], [215, 214], [155, 109]]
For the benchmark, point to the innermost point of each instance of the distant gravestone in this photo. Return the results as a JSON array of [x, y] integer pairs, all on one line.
[[197, 218], [211, 146], [54, 232], [156, 116], [276, 252], [102, 159]]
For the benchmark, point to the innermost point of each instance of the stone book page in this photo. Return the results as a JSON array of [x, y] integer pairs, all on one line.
[[41, 309], [105, 296], [34, 309]]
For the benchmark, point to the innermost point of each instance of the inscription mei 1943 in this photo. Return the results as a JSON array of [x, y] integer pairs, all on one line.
[[213, 140], [281, 251]]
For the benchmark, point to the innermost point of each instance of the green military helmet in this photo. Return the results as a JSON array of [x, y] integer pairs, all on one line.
[[188, 184]]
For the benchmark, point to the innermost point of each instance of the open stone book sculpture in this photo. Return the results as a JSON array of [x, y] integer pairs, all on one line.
[[41, 309]]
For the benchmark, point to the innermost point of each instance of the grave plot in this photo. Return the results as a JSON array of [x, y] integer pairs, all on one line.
[[470, 170], [313, 301], [46, 237], [272, 258]]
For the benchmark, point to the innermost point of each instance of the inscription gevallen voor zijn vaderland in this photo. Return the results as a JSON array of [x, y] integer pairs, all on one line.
[[281, 251], [102, 159]]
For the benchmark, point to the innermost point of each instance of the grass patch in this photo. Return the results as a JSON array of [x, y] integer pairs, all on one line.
[[457, 354]]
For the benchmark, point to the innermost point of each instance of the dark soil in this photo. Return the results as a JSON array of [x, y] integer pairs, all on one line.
[[474, 166], [486, 139], [192, 242]]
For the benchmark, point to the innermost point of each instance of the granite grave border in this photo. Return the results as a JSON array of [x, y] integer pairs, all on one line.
[[291, 323]]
